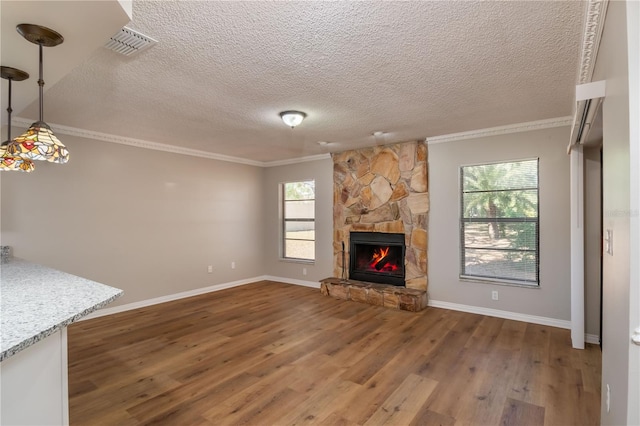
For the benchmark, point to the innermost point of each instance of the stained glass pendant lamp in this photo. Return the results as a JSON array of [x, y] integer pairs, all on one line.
[[7, 161], [39, 142]]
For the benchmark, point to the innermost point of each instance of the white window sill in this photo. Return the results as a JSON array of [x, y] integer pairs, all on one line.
[[292, 260], [495, 281]]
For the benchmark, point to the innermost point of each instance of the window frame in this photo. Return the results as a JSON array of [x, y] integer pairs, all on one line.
[[284, 221], [462, 220]]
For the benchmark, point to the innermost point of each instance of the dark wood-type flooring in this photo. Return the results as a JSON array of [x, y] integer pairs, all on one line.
[[279, 354]]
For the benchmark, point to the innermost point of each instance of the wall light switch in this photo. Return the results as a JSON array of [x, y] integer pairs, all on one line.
[[210, 268], [608, 241]]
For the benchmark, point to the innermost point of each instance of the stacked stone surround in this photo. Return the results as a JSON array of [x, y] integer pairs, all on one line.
[[383, 189]]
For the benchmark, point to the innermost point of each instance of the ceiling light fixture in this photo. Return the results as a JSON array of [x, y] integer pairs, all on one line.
[[39, 142], [380, 137], [7, 161], [292, 118]]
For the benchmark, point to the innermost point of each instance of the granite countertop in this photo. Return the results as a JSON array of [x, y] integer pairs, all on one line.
[[36, 301]]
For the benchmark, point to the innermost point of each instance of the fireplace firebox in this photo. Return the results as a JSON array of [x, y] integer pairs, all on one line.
[[377, 257]]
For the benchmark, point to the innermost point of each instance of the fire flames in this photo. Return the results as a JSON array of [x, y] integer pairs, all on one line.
[[380, 261]]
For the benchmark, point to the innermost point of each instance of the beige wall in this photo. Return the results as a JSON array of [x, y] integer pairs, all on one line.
[[552, 298], [633, 49], [592, 239], [146, 221], [611, 65], [322, 172]]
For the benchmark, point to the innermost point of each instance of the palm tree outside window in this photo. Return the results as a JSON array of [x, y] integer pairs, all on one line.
[[499, 225]]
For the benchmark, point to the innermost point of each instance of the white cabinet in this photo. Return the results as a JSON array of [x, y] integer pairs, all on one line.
[[34, 384]]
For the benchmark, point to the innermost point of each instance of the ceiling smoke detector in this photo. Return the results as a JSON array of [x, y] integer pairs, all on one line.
[[128, 42]]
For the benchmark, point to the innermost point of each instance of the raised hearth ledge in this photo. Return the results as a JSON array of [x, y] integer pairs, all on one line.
[[389, 296]]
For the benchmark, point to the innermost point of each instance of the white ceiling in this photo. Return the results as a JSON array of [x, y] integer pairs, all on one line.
[[82, 36], [222, 71]]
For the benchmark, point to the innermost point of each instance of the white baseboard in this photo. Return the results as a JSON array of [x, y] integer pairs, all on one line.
[[217, 287], [171, 297], [589, 338], [501, 314], [314, 284], [592, 338]]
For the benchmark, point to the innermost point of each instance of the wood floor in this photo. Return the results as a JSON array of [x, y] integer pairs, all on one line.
[[279, 354]]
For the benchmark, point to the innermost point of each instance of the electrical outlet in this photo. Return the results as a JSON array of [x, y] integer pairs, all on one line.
[[304, 271], [494, 295], [608, 400], [210, 268], [233, 265]]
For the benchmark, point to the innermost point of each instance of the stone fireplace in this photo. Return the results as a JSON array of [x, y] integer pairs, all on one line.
[[383, 189]]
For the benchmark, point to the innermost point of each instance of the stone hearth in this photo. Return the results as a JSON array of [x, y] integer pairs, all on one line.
[[406, 299], [383, 189]]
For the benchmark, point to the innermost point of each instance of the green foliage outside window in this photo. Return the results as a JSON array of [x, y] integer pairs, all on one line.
[[300, 190], [499, 221]]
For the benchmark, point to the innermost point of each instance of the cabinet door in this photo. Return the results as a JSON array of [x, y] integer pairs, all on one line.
[[34, 384]]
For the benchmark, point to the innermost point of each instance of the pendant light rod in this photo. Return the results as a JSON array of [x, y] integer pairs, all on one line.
[[41, 36], [11, 74], [9, 111], [41, 85], [39, 142]]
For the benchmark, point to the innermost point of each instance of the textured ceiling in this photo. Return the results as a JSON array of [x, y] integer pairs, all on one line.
[[82, 36], [222, 71]]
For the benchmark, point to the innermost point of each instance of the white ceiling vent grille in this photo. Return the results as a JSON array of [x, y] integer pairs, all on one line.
[[128, 42]]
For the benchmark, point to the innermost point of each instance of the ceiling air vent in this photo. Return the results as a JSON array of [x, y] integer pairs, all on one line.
[[128, 42]]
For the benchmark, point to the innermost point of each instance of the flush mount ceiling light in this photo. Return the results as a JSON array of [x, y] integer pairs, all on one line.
[[39, 142], [7, 161], [292, 118], [380, 137]]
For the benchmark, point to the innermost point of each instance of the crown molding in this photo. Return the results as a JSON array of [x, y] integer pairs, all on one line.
[[139, 143], [593, 26], [296, 160], [502, 130]]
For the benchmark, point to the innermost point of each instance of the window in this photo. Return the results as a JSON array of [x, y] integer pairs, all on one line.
[[499, 222], [298, 223]]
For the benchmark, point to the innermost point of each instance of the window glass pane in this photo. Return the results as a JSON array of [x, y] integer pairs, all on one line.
[[298, 220], [512, 203], [300, 230], [299, 249], [500, 264], [299, 190], [499, 221], [513, 175], [501, 235], [299, 209]]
